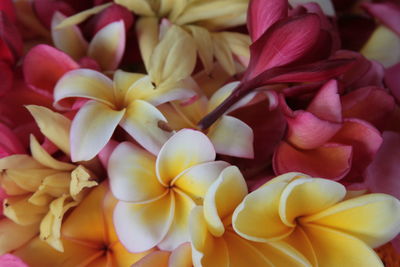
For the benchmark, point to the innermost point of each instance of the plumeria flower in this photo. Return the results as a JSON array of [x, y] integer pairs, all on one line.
[[88, 235], [215, 243], [229, 135], [315, 216], [156, 194], [41, 188]]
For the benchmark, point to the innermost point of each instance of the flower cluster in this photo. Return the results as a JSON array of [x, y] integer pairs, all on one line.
[[199, 133]]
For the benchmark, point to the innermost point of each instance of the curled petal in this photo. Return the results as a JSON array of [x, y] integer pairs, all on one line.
[[91, 129], [108, 45], [183, 150], [142, 226], [131, 171], [142, 121]]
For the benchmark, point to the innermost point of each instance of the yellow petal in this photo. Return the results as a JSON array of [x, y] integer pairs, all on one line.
[[156, 258], [183, 150], [334, 248], [383, 46], [29, 180], [68, 39], [122, 82], [147, 32], [108, 45], [197, 179], [306, 196], [181, 256], [139, 7], [53, 125], [142, 226], [179, 230], [81, 178], [203, 40], [223, 53], [166, 63], [132, 175], [222, 198], [374, 218], [20, 211], [261, 208], [123, 257], [84, 83], [91, 129], [42, 156], [82, 16], [298, 239], [142, 122], [19, 162], [52, 186], [231, 136], [13, 236]]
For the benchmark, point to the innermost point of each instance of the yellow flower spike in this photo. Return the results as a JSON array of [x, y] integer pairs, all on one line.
[[157, 194], [214, 243], [327, 229]]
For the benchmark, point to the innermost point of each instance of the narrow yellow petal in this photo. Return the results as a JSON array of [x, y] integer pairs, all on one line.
[[52, 186], [139, 7], [223, 53], [147, 32], [13, 236], [203, 40], [20, 211]]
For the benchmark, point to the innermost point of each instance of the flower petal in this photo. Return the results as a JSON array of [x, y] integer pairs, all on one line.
[[108, 45], [181, 256], [132, 175], [142, 226], [232, 137], [91, 129], [306, 196], [84, 83], [142, 122], [9, 260], [183, 150], [221, 199], [156, 258], [196, 180], [373, 218], [202, 38], [147, 32], [140, 7], [68, 39], [10, 240]]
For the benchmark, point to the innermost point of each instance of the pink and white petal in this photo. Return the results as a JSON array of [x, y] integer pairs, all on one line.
[[331, 161], [142, 226], [91, 129], [142, 121], [131, 171], [108, 45], [105, 153], [179, 230], [262, 14], [183, 150], [231, 136], [84, 83], [326, 103], [221, 199], [372, 218], [68, 39], [196, 180], [307, 196], [43, 66]]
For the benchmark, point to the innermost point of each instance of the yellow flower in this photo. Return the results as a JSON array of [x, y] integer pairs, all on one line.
[[88, 236], [157, 194], [215, 243], [313, 216], [41, 188]]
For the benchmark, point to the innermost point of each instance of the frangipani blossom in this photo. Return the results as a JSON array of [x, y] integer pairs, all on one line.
[[229, 135], [157, 194], [315, 216], [40, 188], [128, 101], [88, 235], [214, 241]]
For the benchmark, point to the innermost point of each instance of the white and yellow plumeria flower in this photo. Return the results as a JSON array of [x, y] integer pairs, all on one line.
[[313, 216], [215, 243], [157, 194], [229, 135], [41, 188]]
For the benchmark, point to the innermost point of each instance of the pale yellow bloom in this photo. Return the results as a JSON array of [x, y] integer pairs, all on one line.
[[311, 215]]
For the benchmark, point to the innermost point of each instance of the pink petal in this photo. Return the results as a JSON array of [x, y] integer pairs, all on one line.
[[105, 153], [326, 104], [9, 143], [331, 161], [45, 10], [9, 34], [262, 14], [9, 260], [382, 175], [283, 43], [6, 77], [392, 80], [365, 141], [388, 13], [8, 8], [43, 67]]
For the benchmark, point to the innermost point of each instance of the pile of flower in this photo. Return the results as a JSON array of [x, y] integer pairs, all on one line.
[[199, 133]]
